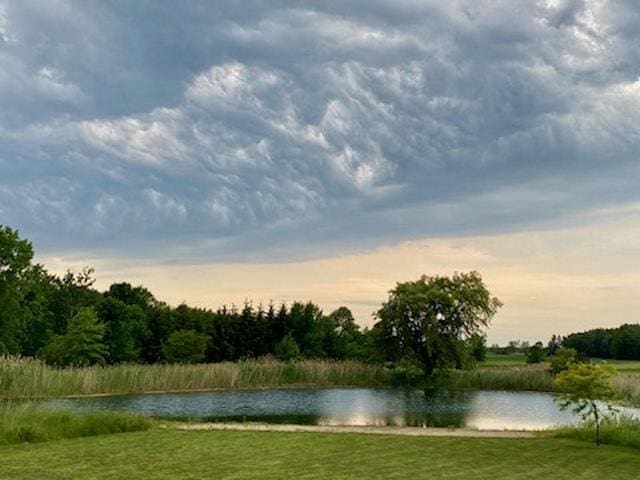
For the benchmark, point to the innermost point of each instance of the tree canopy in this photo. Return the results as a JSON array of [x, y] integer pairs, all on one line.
[[432, 324], [65, 321], [621, 343], [431, 321]]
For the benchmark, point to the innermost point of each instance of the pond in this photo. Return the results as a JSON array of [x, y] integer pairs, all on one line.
[[347, 406]]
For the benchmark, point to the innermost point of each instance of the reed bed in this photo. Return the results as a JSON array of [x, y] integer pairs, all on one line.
[[628, 387], [25, 378], [513, 379], [531, 378], [26, 422], [29, 378]]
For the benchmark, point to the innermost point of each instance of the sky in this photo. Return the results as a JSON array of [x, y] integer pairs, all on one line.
[[281, 150]]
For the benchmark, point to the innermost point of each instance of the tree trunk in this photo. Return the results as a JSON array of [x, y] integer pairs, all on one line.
[[597, 417]]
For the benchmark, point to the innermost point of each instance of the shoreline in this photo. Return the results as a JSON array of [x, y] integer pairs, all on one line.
[[262, 387], [370, 430]]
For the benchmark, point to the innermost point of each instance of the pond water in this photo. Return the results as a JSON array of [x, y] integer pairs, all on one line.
[[347, 406]]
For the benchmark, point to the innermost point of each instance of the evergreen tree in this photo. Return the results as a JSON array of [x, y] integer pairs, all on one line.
[[82, 344]]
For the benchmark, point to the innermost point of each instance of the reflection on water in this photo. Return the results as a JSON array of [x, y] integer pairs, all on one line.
[[339, 406]]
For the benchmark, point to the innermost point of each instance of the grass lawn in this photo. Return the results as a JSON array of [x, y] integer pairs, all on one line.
[[172, 454]]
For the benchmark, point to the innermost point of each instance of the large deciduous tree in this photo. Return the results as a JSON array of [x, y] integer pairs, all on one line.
[[431, 321], [25, 289], [125, 329]]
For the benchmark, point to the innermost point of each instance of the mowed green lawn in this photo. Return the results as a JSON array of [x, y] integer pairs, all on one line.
[[172, 454]]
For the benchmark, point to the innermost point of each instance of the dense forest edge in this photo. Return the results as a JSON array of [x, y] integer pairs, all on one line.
[[61, 336], [65, 321]]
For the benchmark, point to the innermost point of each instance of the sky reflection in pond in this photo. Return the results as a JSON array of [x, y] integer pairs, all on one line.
[[347, 406]]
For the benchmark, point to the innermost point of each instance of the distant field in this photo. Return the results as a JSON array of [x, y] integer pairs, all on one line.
[[624, 366], [511, 360], [519, 360], [505, 372], [172, 454]]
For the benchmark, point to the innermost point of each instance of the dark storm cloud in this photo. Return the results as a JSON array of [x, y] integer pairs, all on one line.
[[246, 129]]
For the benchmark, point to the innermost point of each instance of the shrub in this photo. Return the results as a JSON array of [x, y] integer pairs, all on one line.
[[287, 349], [536, 353], [478, 347], [561, 360], [185, 346], [407, 372]]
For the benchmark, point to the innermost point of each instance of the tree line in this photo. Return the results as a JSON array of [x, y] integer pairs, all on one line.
[[65, 321], [621, 343], [425, 326]]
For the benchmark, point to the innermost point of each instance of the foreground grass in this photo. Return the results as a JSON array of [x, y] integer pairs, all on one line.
[[28, 378], [623, 432], [171, 454], [30, 423]]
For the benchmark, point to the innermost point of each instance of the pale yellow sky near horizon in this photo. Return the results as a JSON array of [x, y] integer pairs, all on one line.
[[555, 280]]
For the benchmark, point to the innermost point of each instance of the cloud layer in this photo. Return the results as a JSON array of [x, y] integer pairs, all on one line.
[[258, 129]]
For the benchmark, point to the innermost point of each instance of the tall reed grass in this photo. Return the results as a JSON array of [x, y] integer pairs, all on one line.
[[627, 385], [28, 378], [513, 379], [31, 423]]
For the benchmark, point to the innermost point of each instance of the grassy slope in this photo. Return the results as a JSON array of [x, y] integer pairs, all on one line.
[[172, 454]]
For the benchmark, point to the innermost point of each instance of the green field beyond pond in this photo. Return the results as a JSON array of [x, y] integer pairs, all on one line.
[[171, 454], [513, 369], [494, 360]]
